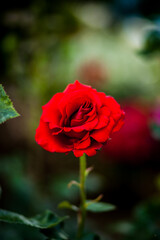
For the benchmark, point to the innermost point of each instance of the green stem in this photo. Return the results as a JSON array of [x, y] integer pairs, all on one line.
[[82, 213]]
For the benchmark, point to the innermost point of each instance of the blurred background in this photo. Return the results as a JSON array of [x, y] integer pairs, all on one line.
[[114, 46]]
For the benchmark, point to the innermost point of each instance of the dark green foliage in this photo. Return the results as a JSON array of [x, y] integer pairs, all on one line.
[[55, 233], [146, 223], [152, 42], [49, 223]]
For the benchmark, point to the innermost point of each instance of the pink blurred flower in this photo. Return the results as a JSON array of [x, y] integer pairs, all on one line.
[[133, 142]]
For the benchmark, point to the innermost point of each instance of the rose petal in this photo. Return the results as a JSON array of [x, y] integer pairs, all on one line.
[[58, 143], [111, 103], [51, 111], [103, 117], [101, 135], [76, 86], [90, 151], [83, 143], [56, 130], [119, 123], [88, 126], [73, 134]]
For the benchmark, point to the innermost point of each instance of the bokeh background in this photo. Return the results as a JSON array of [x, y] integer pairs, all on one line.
[[114, 46]]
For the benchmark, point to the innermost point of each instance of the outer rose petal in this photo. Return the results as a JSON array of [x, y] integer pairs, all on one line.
[[51, 111], [120, 123], [101, 135], [83, 143], [76, 86], [49, 142], [103, 117], [90, 151], [111, 103]]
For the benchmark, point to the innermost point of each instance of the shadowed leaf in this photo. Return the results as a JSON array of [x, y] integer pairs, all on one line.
[[41, 221], [151, 42], [56, 233]]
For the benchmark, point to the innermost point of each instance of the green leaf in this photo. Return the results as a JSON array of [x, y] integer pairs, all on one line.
[[41, 221], [7, 110], [99, 206], [66, 204]]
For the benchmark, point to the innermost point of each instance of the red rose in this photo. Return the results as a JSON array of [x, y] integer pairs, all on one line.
[[80, 119]]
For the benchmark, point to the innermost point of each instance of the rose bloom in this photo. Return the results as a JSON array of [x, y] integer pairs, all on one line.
[[133, 143], [80, 119]]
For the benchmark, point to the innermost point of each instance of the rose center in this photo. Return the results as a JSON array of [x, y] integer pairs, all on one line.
[[81, 115]]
